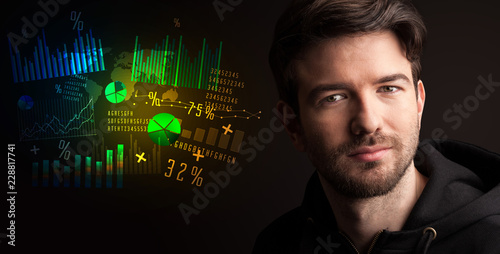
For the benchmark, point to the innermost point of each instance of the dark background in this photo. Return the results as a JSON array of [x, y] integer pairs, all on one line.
[[463, 44]]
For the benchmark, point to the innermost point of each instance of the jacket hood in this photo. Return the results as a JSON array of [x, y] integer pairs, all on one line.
[[463, 189], [463, 179]]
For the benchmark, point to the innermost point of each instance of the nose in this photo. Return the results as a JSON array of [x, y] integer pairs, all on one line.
[[366, 116]]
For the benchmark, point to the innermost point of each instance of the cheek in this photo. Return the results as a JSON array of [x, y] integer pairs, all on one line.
[[327, 126], [402, 118]]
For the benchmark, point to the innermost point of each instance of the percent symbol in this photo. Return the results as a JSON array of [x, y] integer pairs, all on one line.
[[76, 18], [156, 101], [64, 147], [210, 113], [177, 23], [196, 173], [58, 88]]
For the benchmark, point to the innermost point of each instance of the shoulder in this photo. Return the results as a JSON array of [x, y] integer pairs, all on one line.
[[479, 237], [283, 235], [487, 232]]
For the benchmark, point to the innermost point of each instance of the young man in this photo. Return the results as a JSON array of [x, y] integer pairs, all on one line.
[[349, 70]]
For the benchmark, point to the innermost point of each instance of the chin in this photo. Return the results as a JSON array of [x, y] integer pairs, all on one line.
[[365, 180]]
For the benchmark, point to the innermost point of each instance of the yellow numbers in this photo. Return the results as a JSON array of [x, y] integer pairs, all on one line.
[[179, 178], [195, 172], [170, 168], [199, 107]]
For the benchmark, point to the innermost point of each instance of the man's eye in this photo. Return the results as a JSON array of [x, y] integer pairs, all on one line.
[[389, 89], [334, 98]]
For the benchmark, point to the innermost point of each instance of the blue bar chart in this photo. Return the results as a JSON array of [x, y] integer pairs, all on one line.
[[86, 57]]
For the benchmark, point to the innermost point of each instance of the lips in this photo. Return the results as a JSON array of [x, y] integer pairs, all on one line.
[[369, 153]]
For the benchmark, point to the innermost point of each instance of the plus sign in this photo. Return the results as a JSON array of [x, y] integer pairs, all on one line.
[[228, 128], [198, 155], [141, 157], [35, 149]]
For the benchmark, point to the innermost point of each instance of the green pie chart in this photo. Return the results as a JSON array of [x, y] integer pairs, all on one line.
[[164, 129], [115, 92]]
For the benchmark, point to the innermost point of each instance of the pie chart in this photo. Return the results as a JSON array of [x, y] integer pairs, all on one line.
[[115, 92], [164, 129], [25, 102]]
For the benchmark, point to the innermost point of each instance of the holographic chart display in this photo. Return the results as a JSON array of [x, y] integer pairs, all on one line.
[[116, 104], [117, 107]]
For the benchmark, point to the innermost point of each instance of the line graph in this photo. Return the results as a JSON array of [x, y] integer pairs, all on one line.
[[210, 112], [57, 118]]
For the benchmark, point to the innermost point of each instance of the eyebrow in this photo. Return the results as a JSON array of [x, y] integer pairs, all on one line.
[[341, 86], [393, 77]]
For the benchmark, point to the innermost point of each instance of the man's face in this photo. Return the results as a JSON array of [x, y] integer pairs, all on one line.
[[359, 112]]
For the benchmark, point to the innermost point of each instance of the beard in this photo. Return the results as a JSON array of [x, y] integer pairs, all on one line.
[[376, 178]]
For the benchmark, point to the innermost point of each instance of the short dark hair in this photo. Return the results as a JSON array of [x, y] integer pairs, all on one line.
[[308, 22]]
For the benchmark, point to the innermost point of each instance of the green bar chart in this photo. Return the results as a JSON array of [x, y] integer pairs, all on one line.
[[95, 175], [170, 64]]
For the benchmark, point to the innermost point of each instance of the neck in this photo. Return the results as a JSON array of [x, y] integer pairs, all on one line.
[[362, 219]]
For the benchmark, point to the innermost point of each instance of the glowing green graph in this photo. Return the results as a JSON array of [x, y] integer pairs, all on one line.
[[164, 129], [115, 92], [169, 64]]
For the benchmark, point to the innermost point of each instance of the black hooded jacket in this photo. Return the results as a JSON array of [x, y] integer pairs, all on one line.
[[458, 211]]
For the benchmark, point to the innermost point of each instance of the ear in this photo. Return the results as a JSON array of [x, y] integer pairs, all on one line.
[[420, 101], [292, 125]]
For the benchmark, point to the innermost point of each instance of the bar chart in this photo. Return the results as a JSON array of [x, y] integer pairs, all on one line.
[[169, 64], [86, 57], [151, 164], [211, 137], [94, 175]]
